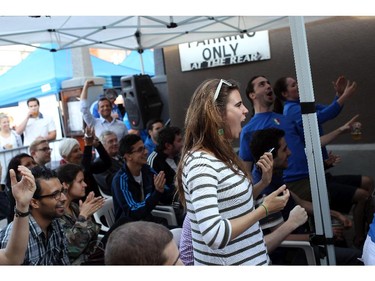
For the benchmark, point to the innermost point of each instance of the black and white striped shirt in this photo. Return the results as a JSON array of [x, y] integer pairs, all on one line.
[[214, 195]]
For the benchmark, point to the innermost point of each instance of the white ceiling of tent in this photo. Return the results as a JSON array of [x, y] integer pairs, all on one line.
[[130, 32]]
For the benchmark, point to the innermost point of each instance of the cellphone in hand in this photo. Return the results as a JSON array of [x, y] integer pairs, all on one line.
[[271, 150]]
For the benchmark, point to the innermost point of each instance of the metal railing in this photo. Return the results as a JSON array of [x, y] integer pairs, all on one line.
[[7, 155]]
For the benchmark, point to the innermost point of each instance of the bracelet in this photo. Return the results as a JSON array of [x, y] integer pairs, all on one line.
[[20, 214], [265, 208]]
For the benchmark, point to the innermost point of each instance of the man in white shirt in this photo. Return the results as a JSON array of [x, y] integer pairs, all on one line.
[[36, 124], [106, 122]]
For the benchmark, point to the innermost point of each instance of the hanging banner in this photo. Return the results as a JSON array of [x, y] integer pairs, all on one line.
[[248, 47]]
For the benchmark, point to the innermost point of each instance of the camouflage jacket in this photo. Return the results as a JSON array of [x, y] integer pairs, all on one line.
[[82, 237]]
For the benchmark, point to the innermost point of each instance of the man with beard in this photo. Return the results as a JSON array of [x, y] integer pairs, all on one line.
[[47, 242], [41, 152]]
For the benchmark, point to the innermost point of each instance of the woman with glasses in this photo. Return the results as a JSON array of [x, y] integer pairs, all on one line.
[[9, 139], [215, 185], [80, 229]]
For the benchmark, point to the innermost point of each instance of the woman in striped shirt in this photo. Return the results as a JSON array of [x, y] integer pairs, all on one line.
[[214, 184]]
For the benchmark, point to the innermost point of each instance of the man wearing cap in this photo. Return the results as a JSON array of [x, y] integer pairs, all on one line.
[[105, 121]]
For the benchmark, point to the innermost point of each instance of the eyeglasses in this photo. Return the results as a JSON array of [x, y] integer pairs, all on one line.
[[140, 149], [45, 149], [56, 195], [217, 92]]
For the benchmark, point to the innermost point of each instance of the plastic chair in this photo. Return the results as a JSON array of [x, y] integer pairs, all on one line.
[[102, 193], [305, 246], [177, 235], [105, 215], [3, 223], [166, 212]]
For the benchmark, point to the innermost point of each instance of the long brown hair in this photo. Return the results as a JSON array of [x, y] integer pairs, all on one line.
[[205, 118]]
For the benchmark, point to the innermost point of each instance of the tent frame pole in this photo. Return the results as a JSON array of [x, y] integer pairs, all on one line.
[[322, 217]]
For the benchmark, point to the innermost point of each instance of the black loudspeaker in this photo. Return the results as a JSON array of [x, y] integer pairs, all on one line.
[[142, 100]]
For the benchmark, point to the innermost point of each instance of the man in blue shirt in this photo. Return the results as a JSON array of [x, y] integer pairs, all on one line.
[[260, 94], [296, 175], [153, 127]]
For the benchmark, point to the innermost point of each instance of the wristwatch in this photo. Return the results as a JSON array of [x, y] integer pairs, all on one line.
[[19, 214], [81, 218]]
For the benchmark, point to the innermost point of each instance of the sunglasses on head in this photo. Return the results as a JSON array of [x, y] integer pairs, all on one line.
[[217, 92]]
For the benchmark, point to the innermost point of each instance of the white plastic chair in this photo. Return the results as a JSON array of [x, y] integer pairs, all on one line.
[[305, 246], [177, 235], [102, 193], [105, 215], [166, 212], [3, 223]]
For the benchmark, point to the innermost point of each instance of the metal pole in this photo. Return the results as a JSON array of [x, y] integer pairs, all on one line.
[[322, 217], [142, 65]]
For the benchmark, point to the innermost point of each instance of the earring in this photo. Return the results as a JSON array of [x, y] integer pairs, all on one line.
[[220, 132]]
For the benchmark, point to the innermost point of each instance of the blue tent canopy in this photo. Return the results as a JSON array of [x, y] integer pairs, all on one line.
[[40, 68], [112, 73], [42, 72], [134, 60]]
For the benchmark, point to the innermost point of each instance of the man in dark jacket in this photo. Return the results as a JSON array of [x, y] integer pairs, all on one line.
[[136, 187], [165, 158]]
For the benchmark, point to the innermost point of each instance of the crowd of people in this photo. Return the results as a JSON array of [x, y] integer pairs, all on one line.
[[233, 208]]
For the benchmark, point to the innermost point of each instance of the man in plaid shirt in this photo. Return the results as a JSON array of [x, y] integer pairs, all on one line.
[[47, 243]]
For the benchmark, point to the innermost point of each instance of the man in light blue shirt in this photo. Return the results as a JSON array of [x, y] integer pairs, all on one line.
[[105, 122]]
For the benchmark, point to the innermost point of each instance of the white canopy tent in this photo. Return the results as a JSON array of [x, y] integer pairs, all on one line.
[[145, 32], [130, 32]]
